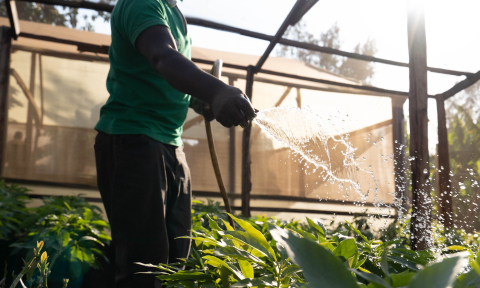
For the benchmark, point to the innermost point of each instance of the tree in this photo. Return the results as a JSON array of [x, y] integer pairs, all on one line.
[[56, 15], [357, 69]]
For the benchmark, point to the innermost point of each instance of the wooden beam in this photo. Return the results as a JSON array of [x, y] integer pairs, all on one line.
[[462, 85], [5, 45], [60, 54], [246, 157], [299, 9], [222, 27], [13, 17], [418, 102], [399, 149], [28, 94], [444, 192]]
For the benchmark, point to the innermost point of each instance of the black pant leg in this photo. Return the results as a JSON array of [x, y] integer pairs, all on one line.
[[137, 214], [105, 166]]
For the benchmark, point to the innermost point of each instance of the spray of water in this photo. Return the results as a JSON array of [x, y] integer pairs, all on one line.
[[333, 156]]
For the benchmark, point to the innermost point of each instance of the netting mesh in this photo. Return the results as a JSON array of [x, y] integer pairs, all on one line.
[[71, 92]]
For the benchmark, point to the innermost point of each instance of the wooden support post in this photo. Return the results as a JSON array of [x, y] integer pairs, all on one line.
[[5, 47], [231, 154], [29, 161], [301, 175], [399, 149], [445, 208], [418, 102], [246, 159]]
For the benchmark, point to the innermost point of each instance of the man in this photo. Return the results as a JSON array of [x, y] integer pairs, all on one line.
[[142, 174]]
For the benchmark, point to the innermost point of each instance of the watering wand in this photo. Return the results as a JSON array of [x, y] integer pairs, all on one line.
[[217, 72]]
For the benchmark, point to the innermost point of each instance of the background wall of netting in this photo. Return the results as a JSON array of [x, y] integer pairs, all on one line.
[[61, 149]]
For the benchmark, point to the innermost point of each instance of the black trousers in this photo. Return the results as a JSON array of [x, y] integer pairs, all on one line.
[[145, 188]]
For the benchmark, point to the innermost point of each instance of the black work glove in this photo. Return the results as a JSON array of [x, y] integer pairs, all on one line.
[[231, 107], [201, 108]]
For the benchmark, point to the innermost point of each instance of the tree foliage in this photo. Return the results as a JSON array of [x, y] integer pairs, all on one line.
[[357, 69], [57, 15]]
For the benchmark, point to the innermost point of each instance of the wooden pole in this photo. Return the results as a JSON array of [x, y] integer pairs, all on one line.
[[301, 175], [231, 152], [246, 157], [5, 47], [445, 207], [30, 117], [418, 102], [399, 148]]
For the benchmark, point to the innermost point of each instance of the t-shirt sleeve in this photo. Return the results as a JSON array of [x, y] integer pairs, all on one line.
[[140, 15]]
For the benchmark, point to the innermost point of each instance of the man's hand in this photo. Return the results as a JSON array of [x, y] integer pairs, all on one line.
[[231, 107]]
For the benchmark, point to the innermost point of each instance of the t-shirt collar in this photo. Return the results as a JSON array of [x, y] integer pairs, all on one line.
[[172, 3]]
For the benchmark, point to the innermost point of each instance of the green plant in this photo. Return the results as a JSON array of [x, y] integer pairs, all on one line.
[[267, 252]]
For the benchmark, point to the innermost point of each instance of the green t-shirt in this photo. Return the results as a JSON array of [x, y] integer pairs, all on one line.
[[141, 101]]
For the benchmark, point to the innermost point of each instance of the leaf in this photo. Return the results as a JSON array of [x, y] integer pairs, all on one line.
[[290, 270], [236, 253], [347, 249], [440, 275], [257, 235], [317, 225], [87, 214], [456, 248], [320, 267], [65, 238], [356, 231], [90, 238], [185, 275], [214, 261], [229, 227], [370, 277], [99, 223], [402, 261], [246, 268], [384, 264], [402, 279], [247, 239], [267, 281]]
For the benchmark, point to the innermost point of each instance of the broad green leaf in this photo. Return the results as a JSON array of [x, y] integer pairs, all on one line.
[[229, 227], [247, 269], [90, 238], [257, 235], [356, 231], [320, 267], [370, 277], [214, 261], [304, 234], [236, 253], [317, 225], [456, 248], [267, 281], [347, 249], [467, 280], [402, 279], [225, 276], [440, 275], [185, 275], [290, 270], [99, 223], [66, 238], [402, 261], [384, 264], [246, 238], [213, 225], [87, 214]]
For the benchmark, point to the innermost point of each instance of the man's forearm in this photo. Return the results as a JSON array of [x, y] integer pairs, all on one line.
[[186, 77]]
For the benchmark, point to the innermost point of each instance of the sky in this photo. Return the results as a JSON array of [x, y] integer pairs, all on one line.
[[453, 37]]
